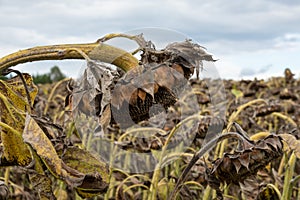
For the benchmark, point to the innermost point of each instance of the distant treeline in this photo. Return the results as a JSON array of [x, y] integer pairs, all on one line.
[[53, 76], [3, 77]]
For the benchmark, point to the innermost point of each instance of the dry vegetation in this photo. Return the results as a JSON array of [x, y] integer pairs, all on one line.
[[244, 140]]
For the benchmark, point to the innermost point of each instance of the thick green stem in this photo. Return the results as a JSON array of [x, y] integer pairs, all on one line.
[[95, 51], [287, 186]]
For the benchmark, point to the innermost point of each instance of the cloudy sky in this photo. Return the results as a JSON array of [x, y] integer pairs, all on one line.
[[257, 38]]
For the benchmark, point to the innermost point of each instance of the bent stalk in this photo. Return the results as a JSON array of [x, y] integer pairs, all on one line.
[[95, 51], [212, 143]]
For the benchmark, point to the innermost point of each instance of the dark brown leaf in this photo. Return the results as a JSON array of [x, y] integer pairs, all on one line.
[[237, 167]]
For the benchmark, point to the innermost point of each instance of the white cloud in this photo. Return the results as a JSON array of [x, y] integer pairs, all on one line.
[[288, 40], [230, 30]]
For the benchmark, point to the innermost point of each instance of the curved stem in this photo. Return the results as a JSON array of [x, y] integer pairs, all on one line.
[[52, 93], [208, 146], [25, 87], [157, 171], [95, 51]]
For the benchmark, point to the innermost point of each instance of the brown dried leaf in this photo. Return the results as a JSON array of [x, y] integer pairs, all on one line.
[[250, 188], [292, 143], [141, 94], [142, 78], [245, 160], [104, 120], [93, 91], [178, 68], [160, 79], [275, 144], [187, 54], [237, 167], [237, 164], [163, 76], [262, 145], [122, 93]]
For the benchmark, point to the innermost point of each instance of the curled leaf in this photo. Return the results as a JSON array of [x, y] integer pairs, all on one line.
[[292, 143], [37, 139], [78, 168], [238, 166]]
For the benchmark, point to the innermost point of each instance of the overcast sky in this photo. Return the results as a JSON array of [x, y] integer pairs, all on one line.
[[250, 38]]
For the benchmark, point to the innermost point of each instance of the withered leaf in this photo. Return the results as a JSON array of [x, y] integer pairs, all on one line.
[[42, 184], [262, 145], [37, 139], [122, 93], [143, 79], [178, 68], [245, 160], [163, 76], [92, 91], [250, 187], [96, 179], [246, 163], [188, 54], [141, 94], [17, 85], [237, 164], [292, 142], [77, 168], [257, 154], [275, 144], [13, 106], [104, 121]]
